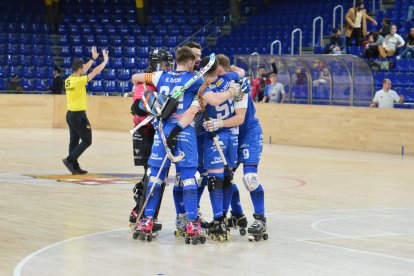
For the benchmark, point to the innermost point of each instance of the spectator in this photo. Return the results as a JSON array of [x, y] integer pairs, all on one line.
[[300, 76], [274, 92], [371, 47], [324, 77], [356, 23], [391, 43], [261, 81], [409, 46], [337, 43], [410, 13], [386, 27], [386, 97], [57, 84], [14, 84]]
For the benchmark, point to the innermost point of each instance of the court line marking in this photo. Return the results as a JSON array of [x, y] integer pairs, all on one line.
[[18, 269], [360, 251]]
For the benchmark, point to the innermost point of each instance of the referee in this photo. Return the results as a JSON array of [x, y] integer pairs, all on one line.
[[79, 126]]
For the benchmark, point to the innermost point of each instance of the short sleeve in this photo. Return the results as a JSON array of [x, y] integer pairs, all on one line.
[[155, 78], [243, 103], [232, 76], [282, 88], [208, 89], [395, 96], [195, 86], [84, 79]]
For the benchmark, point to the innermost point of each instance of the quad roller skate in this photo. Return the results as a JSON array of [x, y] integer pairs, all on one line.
[[257, 230], [133, 224], [195, 234], [180, 223], [238, 221], [219, 231], [145, 230]]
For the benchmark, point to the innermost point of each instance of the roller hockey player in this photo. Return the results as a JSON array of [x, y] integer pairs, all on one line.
[[220, 155], [143, 138], [249, 152]]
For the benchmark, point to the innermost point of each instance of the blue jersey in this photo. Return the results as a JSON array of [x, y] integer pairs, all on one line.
[[250, 119], [226, 109], [166, 82]]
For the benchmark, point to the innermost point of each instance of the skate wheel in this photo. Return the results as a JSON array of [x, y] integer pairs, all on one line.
[[194, 240], [256, 238], [135, 236], [265, 236], [242, 231], [176, 233], [149, 238], [185, 235], [251, 238], [221, 239], [187, 240], [203, 240], [213, 237]]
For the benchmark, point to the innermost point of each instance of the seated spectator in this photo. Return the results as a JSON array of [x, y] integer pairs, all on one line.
[[408, 51], [300, 76], [324, 77], [274, 92], [57, 84], [337, 43], [14, 84], [391, 43], [371, 47], [386, 27], [386, 97], [410, 13]]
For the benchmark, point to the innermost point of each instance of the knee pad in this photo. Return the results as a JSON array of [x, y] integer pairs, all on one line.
[[214, 183], [155, 181], [228, 181], [251, 181], [178, 182]]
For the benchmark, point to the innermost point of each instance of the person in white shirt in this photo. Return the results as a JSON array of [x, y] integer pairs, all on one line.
[[275, 91], [386, 97], [391, 43]]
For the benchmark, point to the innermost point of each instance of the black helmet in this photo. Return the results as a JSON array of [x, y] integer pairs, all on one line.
[[156, 58]]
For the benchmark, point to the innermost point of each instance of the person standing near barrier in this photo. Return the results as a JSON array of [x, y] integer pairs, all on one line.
[[79, 126], [356, 23], [386, 97]]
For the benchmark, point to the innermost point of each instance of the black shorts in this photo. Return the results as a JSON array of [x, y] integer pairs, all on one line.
[[142, 143]]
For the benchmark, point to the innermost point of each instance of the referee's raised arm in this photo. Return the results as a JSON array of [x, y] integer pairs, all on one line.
[[98, 68]]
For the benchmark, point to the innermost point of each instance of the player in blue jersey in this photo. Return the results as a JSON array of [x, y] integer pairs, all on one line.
[[219, 107], [180, 138], [249, 152]]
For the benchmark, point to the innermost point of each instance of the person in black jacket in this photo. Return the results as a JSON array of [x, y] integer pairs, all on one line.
[[57, 84]]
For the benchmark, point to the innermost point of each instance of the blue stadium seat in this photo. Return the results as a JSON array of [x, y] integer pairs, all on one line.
[[110, 29], [76, 40], [99, 30], [143, 52], [130, 62], [3, 72], [96, 86], [27, 72], [116, 63], [25, 49], [25, 39], [143, 41], [130, 51], [27, 84], [25, 60], [78, 51], [11, 60], [89, 40], [116, 40], [157, 41], [74, 29], [103, 40], [12, 38], [142, 64], [40, 72], [123, 30], [117, 51], [3, 84], [110, 74], [124, 74], [39, 85], [130, 41], [171, 41], [63, 40], [110, 86], [86, 30], [124, 86]]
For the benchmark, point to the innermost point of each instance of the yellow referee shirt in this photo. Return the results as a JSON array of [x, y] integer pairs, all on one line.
[[76, 92]]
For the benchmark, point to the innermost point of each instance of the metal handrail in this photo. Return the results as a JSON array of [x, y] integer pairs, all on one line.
[[292, 40], [278, 43], [342, 16], [258, 62], [214, 20], [314, 29]]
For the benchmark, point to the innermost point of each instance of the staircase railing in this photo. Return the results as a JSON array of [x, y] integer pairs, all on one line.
[[319, 18], [292, 41], [279, 44], [342, 17]]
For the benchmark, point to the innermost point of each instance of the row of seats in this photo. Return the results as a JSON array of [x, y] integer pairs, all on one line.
[[24, 28], [26, 60], [29, 84], [118, 51], [25, 49], [115, 63], [17, 38], [27, 71]]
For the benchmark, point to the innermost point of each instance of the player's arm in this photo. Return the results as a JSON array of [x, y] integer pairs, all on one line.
[[374, 102], [237, 119], [283, 94], [185, 120], [100, 67], [216, 99], [88, 65], [238, 70], [148, 78]]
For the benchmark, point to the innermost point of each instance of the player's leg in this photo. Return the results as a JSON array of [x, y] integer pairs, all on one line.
[[230, 150], [178, 193]]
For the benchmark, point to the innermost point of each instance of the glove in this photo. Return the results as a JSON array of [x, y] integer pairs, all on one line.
[[213, 125], [234, 89], [172, 137], [245, 89]]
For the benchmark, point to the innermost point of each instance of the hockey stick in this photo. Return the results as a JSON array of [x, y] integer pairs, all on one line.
[[213, 134], [143, 123], [173, 158], [152, 188]]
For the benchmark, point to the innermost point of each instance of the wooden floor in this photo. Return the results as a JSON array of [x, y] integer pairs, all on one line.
[[329, 213]]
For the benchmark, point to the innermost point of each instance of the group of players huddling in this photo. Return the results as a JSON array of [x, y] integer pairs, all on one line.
[[202, 121]]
